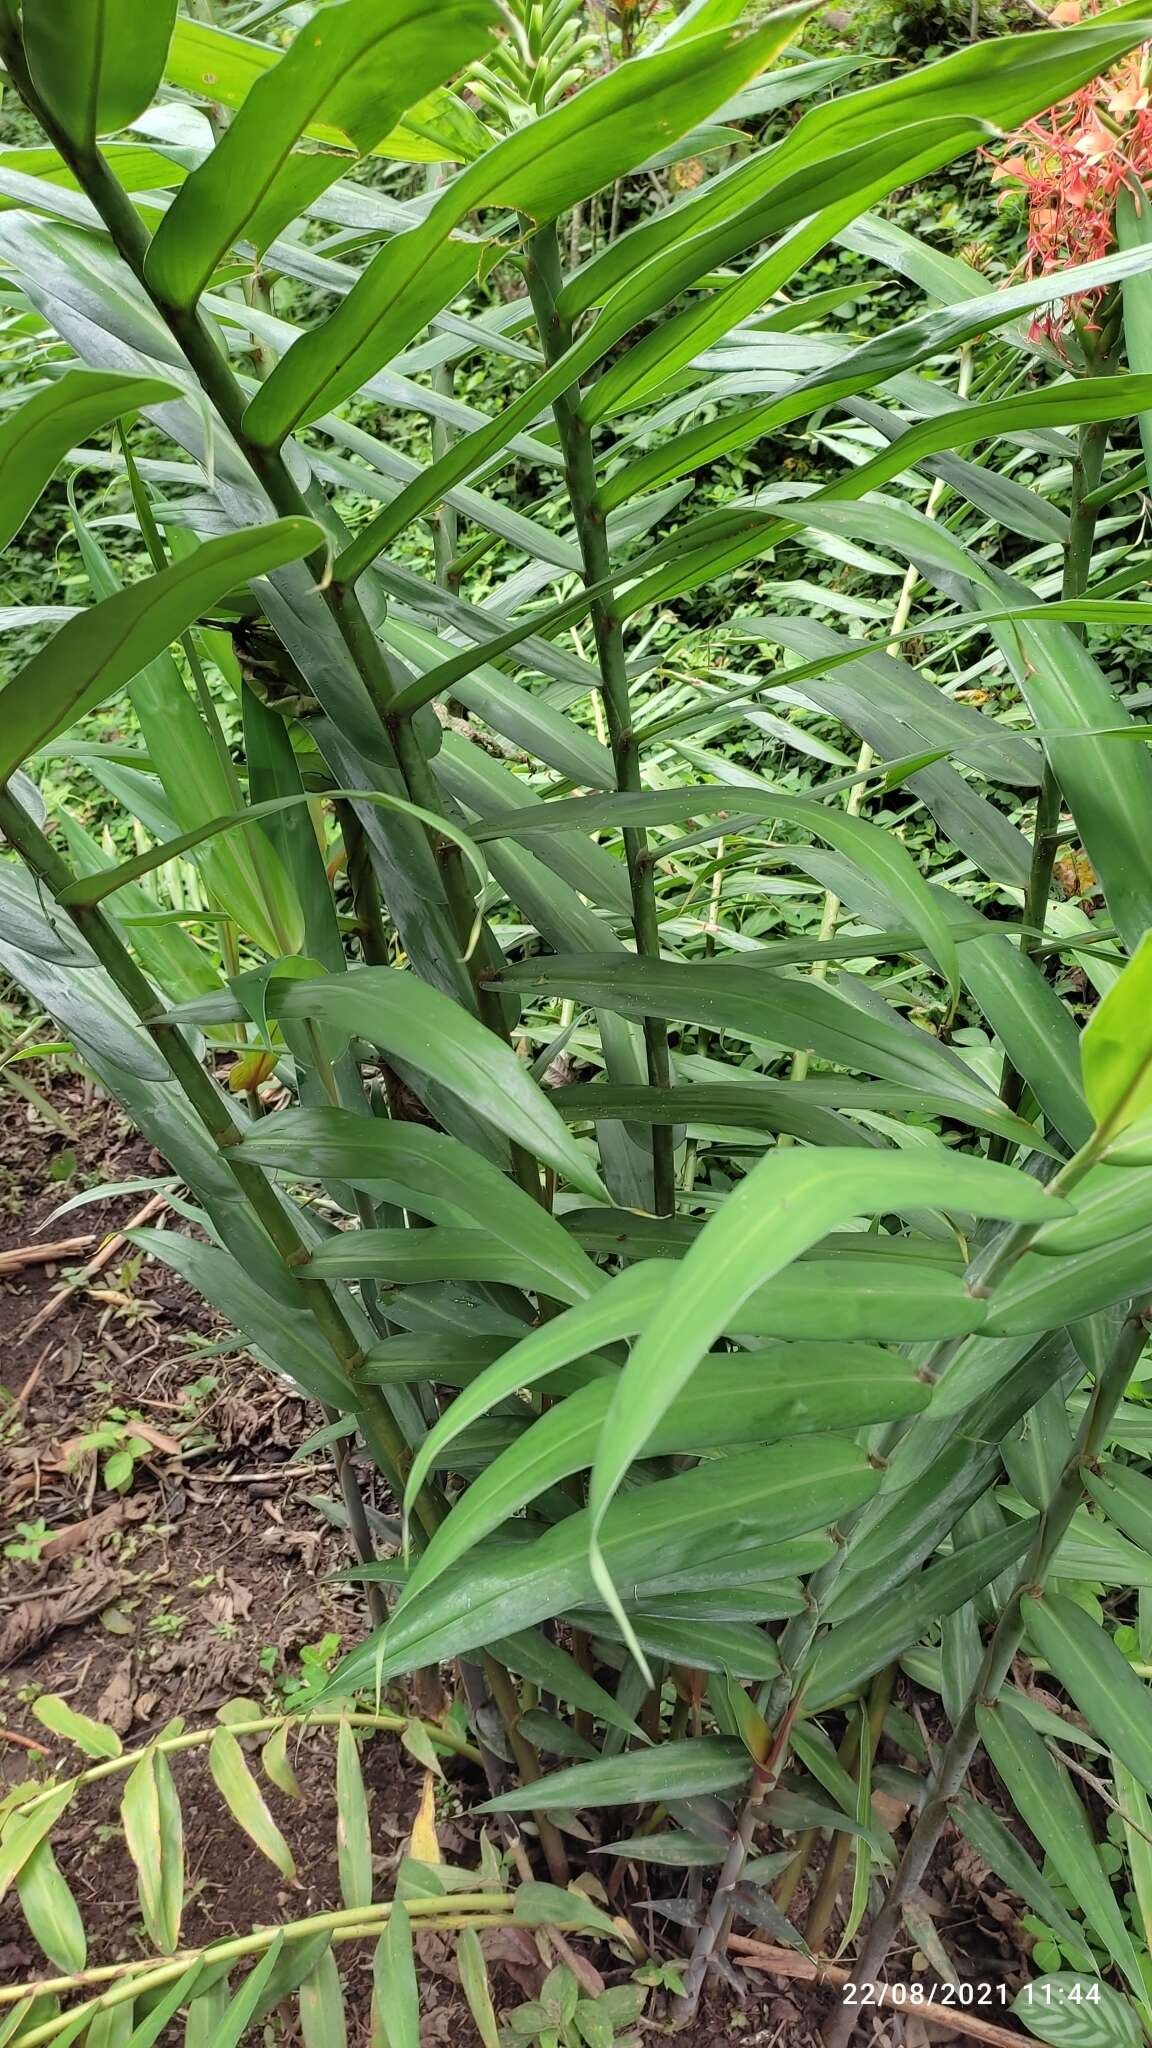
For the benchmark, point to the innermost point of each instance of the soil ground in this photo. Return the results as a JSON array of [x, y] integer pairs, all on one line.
[[207, 1578]]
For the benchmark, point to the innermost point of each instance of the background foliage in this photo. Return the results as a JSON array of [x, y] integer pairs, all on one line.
[[574, 757]]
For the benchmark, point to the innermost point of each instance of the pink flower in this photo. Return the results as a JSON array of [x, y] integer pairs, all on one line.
[[1072, 162]]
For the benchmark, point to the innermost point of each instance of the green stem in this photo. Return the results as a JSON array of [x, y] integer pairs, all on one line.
[[442, 1737], [544, 282], [1091, 448], [131, 1981], [997, 1662]]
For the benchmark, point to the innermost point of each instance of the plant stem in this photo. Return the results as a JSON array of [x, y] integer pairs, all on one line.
[[1087, 466], [997, 1662], [131, 1981], [544, 282], [839, 1848], [527, 1763], [854, 801], [442, 1736]]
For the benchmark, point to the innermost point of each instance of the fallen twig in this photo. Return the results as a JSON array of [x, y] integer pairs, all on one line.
[[22, 1255], [96, 1263], [784, 1962]]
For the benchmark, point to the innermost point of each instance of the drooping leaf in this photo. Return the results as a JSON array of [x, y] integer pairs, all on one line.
[[153, 1830], [245, 1802], [95, 1738], [51, 1911], [58, 418], [1116, 1047], [784, 1206], [96, 653], [353, 1833], [395, 1988], [1113, 1701]]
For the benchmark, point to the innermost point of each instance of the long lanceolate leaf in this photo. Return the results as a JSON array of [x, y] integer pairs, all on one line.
[[95, 654], [598, 134], [361, 61], [784, 1206], [878, 853], [58, 418]]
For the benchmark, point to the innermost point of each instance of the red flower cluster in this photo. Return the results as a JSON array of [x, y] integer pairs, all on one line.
[[1072, 162]]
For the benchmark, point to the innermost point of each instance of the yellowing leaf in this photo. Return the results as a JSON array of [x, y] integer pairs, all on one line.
[[424, 1845]]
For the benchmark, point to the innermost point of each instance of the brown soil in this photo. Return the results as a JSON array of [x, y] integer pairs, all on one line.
[[203, 1582]]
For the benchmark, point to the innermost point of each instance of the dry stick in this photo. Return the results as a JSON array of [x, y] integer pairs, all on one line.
[[544, 282], [854, 801], [784, 1962], [107, 1251], [997, 1662], [22, 1255]]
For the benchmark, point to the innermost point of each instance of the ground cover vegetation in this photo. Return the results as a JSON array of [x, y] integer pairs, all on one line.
[[574, 758]]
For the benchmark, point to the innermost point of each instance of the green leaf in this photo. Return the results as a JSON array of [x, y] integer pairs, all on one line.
[[552, 1905], [557, 160], [244, 873], [58, 418], [95, 64], [336, 1144], [866, 1637], [153, 1830], [533, 1655], [274, 1757], [410, 1021], [785, 1205], [95, 654], [1132, 232], [224, 68], [673, 1770], [395, 1989], [353, 1833], [1126, 1498], [233, 2023], [1114, 1702], [1047, 1804], [474, 1984], [1116, 1047], [754, 1002], [1077, 2012], [359, 64], [768, 1495], [243, 1798], [1137, 1813], [93, 1737], [51, 1911], [878, 852], [745, 1399], [182, 1992], [273, 1323], [320, 2004], [994, 1841]]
